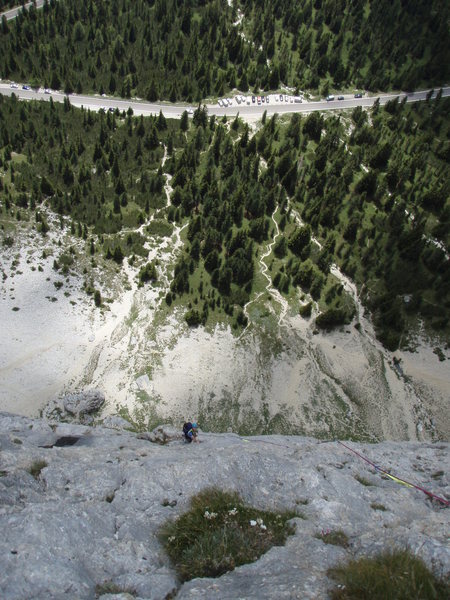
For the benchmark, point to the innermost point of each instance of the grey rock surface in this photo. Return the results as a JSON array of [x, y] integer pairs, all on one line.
[[116, 422], [89, 520]]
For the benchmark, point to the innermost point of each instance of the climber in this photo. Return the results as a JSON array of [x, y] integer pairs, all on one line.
[[190, 432]]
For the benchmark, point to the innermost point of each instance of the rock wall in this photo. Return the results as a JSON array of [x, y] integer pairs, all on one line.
[[90, 514]]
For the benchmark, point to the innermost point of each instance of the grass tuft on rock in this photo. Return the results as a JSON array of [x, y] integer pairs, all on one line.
[[335, 538], [36, 468], [220, 533], [397, 575]]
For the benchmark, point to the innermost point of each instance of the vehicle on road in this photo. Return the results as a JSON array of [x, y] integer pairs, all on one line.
[[14, 85], [341, 98], [358, 95], [330, 98], [26, 87], [190, 110], [47, 91], [253, 99], [297, 99], [111, 109]]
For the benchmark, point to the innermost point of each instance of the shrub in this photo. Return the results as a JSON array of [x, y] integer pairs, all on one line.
[[193, 318], [331, 318], [396, 575], [305, 310], [97, 298], [220, 533], [147, 273]]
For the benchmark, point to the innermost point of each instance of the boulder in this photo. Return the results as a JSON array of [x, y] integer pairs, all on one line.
[[163, 434], [84, 402]]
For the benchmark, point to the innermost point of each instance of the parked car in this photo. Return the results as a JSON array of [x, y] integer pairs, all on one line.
[[238, 99], [263, 99], [26, 87], [249, 100], [220, 102], [297, 99], [358, 95], [253, 99], [330, 98], [47, 91], [341, 98], [14, 85], [281, 98], [267, 99], [190, 111]]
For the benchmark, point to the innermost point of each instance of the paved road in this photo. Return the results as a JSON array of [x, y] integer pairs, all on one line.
[[13, 12], [174, 111]]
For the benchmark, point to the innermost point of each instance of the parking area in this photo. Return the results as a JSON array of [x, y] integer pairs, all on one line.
[[256, 100]]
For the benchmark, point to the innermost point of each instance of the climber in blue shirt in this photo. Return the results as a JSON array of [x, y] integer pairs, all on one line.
[[190, 432]]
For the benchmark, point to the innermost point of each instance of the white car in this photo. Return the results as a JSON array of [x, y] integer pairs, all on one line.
[[190, 110], [249, 100], [230, 101], [14, 86], [238, 99], [47, 91], [220, 102]]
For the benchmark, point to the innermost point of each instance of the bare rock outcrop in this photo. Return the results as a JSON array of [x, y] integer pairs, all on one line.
[[81, 507], [75, 406], [84, 402]]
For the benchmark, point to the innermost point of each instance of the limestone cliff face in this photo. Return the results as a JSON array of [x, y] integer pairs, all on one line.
[[92, 514]]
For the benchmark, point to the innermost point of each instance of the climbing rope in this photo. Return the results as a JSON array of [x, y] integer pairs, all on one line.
[[396, 479]]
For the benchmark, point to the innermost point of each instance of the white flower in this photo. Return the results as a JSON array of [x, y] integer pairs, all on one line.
[[252, 523], [209, 515]]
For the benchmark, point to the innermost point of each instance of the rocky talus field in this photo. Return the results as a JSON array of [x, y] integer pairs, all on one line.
[[81, 508]]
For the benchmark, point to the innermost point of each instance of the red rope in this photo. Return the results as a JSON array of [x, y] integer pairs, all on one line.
[[429, 494]]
